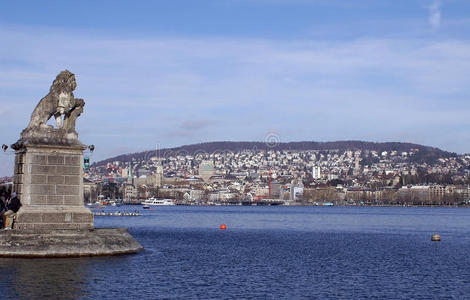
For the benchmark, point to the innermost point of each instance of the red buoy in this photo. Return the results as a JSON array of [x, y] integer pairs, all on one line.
[[223, 227]]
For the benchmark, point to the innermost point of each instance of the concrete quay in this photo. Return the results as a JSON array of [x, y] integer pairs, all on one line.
[[67, 243]]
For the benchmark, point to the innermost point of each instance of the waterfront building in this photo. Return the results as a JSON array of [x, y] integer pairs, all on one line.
[[130, 192]]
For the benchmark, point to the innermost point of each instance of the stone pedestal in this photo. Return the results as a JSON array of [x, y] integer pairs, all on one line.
[[49, 181]]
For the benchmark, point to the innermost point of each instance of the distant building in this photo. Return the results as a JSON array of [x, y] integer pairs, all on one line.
[[276, 190], [416, 192], [316, 172], [206, 170], [130, 192], [150, 180], [298, 192], [90, 191], [159, 176], [357, 166], [129, 174], [142, 171], [124, 172]]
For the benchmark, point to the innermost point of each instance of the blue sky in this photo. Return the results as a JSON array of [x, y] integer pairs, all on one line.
[[178, 72]]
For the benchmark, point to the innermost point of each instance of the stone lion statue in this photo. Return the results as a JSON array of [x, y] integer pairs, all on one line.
[[74, 113], [59, 102]]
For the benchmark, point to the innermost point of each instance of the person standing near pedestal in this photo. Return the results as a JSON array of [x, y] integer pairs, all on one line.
[[3, 209], [13, 206]]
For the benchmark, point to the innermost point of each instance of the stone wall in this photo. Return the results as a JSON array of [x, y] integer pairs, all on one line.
[[49, 182]]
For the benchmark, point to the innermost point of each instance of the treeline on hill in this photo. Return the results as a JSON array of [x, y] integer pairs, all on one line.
[[425, 154]]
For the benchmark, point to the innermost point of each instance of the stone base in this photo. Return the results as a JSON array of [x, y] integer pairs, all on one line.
[[54, 217], [48, 136], [67, 243]]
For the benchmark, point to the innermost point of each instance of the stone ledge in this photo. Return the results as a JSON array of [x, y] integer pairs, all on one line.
[[67, 243]]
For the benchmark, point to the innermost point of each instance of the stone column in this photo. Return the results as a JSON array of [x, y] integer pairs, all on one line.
[[49, 182]]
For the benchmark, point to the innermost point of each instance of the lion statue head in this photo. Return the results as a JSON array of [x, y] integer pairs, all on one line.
[[64, 83]]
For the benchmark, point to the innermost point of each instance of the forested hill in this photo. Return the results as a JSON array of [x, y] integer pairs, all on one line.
[[425, 154]]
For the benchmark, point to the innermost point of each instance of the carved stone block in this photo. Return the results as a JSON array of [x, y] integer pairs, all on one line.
[[67, 190], [72, 180], [39, 199], [55, 159], [72, 160], [38, 179], [38, 159], [68, 170], [41, 169], [43, 189], [82, 218], [55, 200], [71, 200], [55, 179]]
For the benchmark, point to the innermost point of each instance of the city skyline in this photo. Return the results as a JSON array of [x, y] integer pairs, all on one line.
[[181, 73]]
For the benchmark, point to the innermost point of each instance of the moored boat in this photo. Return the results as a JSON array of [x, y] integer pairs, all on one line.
[[158, 202]]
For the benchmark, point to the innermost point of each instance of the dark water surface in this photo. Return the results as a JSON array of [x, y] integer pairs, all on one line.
[[266, 253]]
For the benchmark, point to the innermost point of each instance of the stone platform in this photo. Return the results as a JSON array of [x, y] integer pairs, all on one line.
[[67, 243]]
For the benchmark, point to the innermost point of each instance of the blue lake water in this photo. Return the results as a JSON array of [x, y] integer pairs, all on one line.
[[265, 253]]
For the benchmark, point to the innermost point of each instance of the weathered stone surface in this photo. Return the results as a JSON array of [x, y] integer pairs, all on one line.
[[68, 170], [19, 168], [73, 180], [39, 199], [55, 179], [52, 226], [38, 179], [38, 159], [43, 189], [55, 200], [40, 169], [72, 160], [18, 178], [67, 189], [19, 159], [52, 189], [67, 243], [60, 101], [32, 218], [82, 218], [72, 200], [55, 159], [55, 216]]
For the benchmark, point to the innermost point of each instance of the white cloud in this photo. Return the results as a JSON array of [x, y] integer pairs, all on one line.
[[435, 14], [143, 90]]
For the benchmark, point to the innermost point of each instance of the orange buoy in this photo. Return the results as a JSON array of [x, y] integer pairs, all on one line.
[[223, 227]]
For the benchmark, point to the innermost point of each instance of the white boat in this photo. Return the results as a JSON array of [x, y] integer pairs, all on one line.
[[154, 201]]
